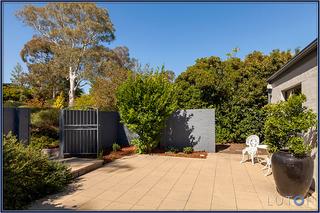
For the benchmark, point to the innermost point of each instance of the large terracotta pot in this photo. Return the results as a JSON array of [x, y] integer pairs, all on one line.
[[293, 176]]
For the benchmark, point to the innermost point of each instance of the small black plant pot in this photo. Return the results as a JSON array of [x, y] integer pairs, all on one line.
[[293, 176]]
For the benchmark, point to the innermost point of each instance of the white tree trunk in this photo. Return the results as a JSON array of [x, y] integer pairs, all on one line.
[[72, 89]]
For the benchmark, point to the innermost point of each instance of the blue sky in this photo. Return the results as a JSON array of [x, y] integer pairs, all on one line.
[[175, 34]]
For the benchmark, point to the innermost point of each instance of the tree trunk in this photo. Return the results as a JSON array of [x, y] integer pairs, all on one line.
[[72, 78], [54, 93]]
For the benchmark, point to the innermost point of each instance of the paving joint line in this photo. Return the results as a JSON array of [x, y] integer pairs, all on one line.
[[173, 166], [254, 187], [214, 183], [173, 185], [136, 183], [193, 186], [234, 190], [131, 173]]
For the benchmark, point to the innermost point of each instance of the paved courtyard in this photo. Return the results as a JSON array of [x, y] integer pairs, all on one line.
[[151, 182]]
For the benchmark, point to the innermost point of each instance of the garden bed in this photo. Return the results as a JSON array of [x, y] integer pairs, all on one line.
[[234, 148], [110, 155], [195, 154]]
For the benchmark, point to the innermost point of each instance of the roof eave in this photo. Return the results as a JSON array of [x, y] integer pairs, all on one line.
[[301, 54]]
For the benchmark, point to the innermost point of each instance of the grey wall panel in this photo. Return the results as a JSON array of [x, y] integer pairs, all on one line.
[[194, 128], [17, 120], [9, 121], [24, 124], [108, 128], [125, 135]]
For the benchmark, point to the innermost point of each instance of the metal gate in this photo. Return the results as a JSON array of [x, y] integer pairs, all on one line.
[[79, 132]]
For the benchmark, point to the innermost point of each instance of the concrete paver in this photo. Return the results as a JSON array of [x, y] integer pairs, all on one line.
[[152, 182]]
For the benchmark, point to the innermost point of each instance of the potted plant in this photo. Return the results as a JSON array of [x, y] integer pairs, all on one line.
[[285, 125]]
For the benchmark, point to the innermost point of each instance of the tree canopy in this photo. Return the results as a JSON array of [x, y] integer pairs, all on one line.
[[235, 88], [69, 38]]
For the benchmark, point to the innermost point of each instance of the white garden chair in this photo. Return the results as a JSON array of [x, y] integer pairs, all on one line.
[[252, 142], [267, 159]]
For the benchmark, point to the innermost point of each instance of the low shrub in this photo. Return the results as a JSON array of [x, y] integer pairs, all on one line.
[[139, 144], [172, 149], [60, 101], [285, 123], [28, 174], [11, 103], [116, 147], [47, 117], [188, 150], [100, 155], [84, 102], [43, 142], [45, 123]]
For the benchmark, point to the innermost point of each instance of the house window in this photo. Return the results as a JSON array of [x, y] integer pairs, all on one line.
[[292, 91]]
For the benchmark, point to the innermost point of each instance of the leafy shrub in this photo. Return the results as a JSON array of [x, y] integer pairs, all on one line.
[[13, 92], [12, 104], [285, 122], [47, 117], [84, 102], [100, 155], [116, 147], [28, 174], [188, 150], [172, 149], [45, 123], [59, 103], [145, 101], [36, 103], [43, 142]]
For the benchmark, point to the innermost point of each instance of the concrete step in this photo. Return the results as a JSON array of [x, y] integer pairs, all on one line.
[[81, 166]]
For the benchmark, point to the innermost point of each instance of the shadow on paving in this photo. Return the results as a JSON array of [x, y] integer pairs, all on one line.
[[116, 166], [47, 203]]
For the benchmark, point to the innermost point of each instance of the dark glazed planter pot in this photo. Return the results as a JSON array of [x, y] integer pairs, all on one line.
[[293, 176]]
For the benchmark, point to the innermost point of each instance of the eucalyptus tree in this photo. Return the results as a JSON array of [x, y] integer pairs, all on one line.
[[73, 32]]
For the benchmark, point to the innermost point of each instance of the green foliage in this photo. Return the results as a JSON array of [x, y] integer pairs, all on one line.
[[43, 142], [14, 93], [84, 102], [28, 174], [47, 117], [285, 123], [68, 44], [116, 147], [18, 76], [172, 149], [12, 104], [145, 101], [100, 155], [138, 143], [45, 123], [59, 103], [235, 88], [188, 150]]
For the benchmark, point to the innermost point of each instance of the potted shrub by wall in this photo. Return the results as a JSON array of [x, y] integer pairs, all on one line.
[[285, 125]]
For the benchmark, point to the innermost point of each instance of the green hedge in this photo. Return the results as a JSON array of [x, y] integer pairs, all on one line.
[[28, 174], [145, 101]]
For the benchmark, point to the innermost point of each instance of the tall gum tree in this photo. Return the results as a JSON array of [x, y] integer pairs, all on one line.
[[75, 29]]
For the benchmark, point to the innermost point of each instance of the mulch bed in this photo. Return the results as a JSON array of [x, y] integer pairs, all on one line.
[[195, 154], [230, 148], [234, 148], [110, 155]]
